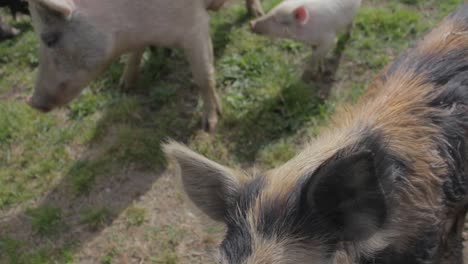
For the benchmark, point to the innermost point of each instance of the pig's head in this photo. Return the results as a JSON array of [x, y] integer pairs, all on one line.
[[73, 52], [302, 212], [287, 20]]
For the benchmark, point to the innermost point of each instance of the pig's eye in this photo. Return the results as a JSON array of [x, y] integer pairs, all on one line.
[[50, 39]]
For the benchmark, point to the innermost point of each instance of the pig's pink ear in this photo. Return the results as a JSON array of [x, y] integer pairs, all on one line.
[[301, 14], [63, 7]]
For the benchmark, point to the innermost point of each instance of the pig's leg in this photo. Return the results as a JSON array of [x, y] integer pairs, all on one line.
[[341, 45], [321, 51], [255, 8], [349, 30], [130, 76], [199, 50]]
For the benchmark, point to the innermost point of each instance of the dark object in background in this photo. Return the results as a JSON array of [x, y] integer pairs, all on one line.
[[15, 6], [7, 31]]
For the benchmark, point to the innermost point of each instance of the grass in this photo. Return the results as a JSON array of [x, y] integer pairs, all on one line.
[[172, 237], [46, 220], [135, 216], [96, 218], [105, 143]]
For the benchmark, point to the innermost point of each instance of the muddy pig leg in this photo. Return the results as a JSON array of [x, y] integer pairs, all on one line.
[[199, 51], [130, 76], [255, 8], [320, 52]]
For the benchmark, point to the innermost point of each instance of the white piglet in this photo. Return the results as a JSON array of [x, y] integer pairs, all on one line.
[[314, 22], [80, 38]]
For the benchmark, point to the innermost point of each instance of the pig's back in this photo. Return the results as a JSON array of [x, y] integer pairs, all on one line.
[[164, 19], [333, 15], [151, 22]]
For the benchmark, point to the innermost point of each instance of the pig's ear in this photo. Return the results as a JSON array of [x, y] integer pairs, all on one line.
[[213, 188], [346, 192], [301, 14], [63, 7]]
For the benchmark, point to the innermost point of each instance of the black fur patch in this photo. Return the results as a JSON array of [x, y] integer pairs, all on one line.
[[436, 68], [250, 193], [454, 101], [15, 6], [448, 72], [289, 217], [237, 245]]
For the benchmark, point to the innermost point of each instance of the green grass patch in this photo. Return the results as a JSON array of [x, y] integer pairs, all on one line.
[[170, 238], [109, 257], [135, 216], [47, 220], [96, 218]]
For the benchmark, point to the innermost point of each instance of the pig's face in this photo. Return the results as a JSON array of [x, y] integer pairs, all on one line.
[[284, 21], [72, 52], [296, 214]]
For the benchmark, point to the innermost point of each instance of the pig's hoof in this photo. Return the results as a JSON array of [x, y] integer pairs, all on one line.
[[210, 123]]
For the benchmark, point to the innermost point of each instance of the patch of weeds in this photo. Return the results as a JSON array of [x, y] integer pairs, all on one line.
[[136, 216], [291, 46], [96, 218], [166, 257], [83, 174], [88, 104], [380, 33], [124, 110], [170, 238], [205, 144], [390, 25], [160, 62], [46, 220], [269, 4], [109, 257], [137, 146], [11, 248], [12, 252], [275, 154], [447, 5]]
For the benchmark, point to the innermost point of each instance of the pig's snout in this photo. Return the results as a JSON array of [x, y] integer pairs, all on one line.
[[31, 102], [254, 26], [257, 26]]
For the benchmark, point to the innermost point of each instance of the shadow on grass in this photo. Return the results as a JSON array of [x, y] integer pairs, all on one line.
[[279, 117], [325, 81], [121, 163], [285, 114], [123, 158]]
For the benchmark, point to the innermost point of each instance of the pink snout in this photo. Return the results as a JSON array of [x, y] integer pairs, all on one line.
[[252, 25], [257, 26], [43, 109]]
